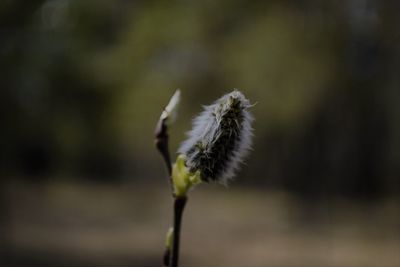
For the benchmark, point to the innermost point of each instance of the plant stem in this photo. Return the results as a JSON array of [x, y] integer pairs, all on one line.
[[161, 142], [179, 206]]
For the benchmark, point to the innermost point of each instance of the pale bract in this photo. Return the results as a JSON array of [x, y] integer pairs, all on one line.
[[170, 111]]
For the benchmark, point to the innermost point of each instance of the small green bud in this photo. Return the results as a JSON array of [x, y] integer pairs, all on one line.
[[168, 238], [182, 178]]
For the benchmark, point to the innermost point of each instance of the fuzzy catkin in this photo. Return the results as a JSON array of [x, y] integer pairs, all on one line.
[[220, 138]]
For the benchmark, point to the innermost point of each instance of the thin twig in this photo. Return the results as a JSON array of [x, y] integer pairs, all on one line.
[[170, 258], [161, 142], [179, 206]]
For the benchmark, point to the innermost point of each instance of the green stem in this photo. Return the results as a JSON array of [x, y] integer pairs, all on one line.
[[179, 206]]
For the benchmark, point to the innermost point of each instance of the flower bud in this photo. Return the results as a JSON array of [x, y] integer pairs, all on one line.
[[220, 138]]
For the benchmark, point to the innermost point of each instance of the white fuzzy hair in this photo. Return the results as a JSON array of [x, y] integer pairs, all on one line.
[[208, 130]]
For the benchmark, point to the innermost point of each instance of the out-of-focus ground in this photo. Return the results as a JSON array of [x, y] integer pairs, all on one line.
[[70, 224]]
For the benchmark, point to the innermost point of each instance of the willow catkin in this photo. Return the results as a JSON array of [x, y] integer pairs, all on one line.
[[220, 138]]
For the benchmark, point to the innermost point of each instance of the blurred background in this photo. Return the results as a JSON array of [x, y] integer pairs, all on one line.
[[83, 84]]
